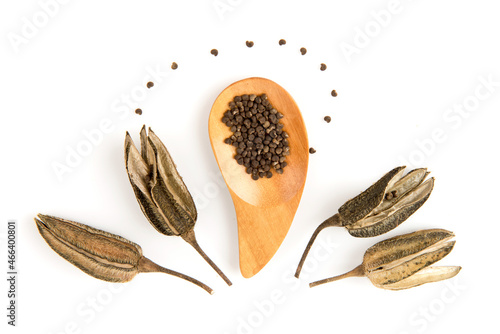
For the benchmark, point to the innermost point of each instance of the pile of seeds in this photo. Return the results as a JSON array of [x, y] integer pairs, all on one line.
[[261, 143]]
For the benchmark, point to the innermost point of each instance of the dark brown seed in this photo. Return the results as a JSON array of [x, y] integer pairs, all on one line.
[[257, 134], [215, 52], [303, 51], [249, 44], [150, 84], [312, 150], [282, 42], [328, 119], [334, 93], [174, 65], [138, 111], [322, 67]]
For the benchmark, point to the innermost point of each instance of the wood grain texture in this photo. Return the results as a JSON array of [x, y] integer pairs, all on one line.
[[264, 208]]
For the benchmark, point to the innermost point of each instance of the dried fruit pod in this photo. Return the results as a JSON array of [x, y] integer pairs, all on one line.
[[100, 254], [386, 204], [161, 192], [403, 261], [380, 208]]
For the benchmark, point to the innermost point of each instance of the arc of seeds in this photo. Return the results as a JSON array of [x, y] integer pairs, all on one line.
[[160, 191], [380, 208], [100, 254]]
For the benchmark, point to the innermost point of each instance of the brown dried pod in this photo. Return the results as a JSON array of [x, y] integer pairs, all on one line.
[[100, 254], [381, 207], [160, 191], [403, 262]]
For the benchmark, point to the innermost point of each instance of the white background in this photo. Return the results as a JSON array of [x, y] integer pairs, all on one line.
[[399, 89]]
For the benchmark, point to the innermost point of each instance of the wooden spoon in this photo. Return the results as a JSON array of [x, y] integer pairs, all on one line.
[[264, 208]]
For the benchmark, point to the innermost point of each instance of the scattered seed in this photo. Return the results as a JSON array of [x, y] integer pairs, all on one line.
[[249, 44], [327, 119], [334, 93], [282, 42], [150, 84], [215, 52], [138, 111], [322, 67], [312, 150], [174, 65], [303, 51]]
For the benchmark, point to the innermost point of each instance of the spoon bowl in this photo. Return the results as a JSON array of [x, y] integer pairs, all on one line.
[[264, 208]]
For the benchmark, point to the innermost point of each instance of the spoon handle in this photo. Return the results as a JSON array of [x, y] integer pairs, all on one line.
[[261, 231]]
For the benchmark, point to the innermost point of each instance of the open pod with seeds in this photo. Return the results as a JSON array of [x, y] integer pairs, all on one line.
[[160, 191], [100, 254], [381, 207], [403, 262]]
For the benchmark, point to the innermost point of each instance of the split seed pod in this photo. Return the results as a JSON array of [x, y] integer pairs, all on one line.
[[381, 207], [100, 254], [160, 191], [403, 262]]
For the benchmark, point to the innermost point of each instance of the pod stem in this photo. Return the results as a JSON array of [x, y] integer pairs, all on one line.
[[148, 266], [190, 238], [356, 272], [332, 221]]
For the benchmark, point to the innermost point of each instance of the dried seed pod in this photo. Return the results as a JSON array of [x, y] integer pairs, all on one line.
[[380, 208], [160, 191], [100, 254], [403, 262], [373, 212]]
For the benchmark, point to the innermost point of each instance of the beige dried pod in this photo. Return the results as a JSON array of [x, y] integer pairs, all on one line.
[[404, 261], [380, 208], [100, 254], [161, 192]]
